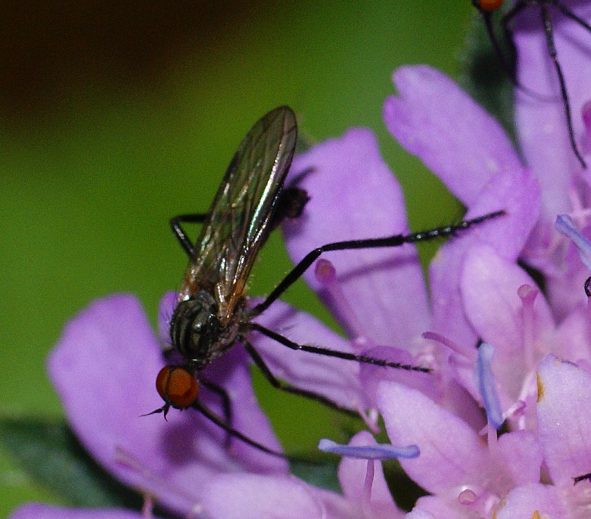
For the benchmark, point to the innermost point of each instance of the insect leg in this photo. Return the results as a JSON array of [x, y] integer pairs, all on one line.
[[548, 30], [549, 33], [507, 63], [210, 415], [226, 406], [569, 14], [181, 235], [333, 353], [578, 479], [288, 388], [390, 241], [513, 12]]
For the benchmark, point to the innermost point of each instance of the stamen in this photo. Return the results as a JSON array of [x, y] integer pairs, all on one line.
[[528, 295], [466, 497], [380, 451], [516, 411], [148, 507], [325, 273], [367, 485], [469, 353], [485, 381], [565, 225]]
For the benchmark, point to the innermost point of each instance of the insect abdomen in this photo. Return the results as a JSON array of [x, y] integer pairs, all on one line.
[[195, 329]]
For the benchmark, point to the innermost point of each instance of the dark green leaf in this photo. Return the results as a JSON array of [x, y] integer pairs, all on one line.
[[50, 454], [319, 474]]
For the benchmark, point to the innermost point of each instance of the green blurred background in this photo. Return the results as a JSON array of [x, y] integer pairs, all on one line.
[[116, 116]]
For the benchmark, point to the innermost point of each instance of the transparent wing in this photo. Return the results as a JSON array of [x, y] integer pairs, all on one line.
[[238, 221]]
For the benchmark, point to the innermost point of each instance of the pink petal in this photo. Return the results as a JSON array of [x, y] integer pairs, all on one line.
[[522, 502], [541, 124], [517, 193], [384, 296], [336, 379], [452, 454], [521, 453], [489, 287], [41, 511], [256, 496], [352, 473], [433, 118], [564, 421], [104, 368]]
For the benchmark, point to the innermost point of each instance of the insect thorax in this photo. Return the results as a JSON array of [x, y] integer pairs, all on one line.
[[196, 331]]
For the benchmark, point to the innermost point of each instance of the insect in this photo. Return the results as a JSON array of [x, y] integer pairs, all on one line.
[[488, 7], [212, 314]]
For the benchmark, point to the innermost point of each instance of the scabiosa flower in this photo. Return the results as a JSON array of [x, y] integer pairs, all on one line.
[[106, 361], [105, 364], [504, 306]]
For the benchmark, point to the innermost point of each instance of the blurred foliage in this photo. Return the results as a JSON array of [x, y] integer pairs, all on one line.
[[483, 75]]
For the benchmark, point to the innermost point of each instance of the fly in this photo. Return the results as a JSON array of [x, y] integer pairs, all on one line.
[[211, 313], [488, 7]]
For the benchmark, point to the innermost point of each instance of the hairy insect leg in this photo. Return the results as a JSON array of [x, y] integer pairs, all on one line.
[[390, 241], [288, 388], [333, 353]]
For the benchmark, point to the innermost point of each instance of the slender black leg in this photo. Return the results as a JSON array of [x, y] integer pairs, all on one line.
[[549, 33], [569, 14], [506, 63], [210, 415], [278, 384], [548, 30], [226, 405], [181, 235], [578, 479], [390, 241], [334, 353]]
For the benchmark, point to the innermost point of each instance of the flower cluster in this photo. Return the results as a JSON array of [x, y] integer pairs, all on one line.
[[501, 352]]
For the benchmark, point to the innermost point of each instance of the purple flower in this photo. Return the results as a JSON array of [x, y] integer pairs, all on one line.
[[104, 368], [543, 137], [502, 479], [506, 477], [105, 364]]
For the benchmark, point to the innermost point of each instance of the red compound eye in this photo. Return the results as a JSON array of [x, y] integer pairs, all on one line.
[[177, 386], [490, 5]]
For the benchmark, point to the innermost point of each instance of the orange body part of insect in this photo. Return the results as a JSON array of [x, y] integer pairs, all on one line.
[[490, 5]]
